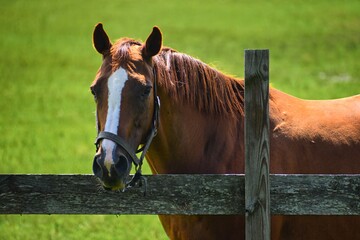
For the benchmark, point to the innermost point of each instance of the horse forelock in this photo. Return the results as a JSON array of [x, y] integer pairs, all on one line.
[[186, 79], [122, 54]]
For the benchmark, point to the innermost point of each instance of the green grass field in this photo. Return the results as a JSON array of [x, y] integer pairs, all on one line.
[[47, 63]]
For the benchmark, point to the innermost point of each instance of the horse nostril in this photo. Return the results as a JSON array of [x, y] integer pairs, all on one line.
[[97, 170], [122, 166]]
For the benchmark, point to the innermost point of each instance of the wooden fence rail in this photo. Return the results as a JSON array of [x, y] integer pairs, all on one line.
[[178, 194]]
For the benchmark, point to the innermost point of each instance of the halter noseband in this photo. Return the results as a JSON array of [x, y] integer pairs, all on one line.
[[123, 144]]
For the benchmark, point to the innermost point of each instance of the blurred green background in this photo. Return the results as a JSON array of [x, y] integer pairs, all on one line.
[[47, 63]]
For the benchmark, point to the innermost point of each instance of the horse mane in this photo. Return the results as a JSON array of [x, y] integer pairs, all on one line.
[[188, 80]]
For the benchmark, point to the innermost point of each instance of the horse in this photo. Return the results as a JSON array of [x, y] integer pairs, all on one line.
[[199, 129]]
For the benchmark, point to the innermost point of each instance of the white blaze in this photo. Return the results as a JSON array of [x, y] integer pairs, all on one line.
[[116, 83]]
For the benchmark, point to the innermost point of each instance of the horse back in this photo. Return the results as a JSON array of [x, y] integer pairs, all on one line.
[[314, 136]]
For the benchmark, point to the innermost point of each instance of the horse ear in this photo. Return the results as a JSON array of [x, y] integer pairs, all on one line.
[[101, 40], [153, 43]]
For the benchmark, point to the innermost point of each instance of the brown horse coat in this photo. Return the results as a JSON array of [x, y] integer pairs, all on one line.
[[306, 137], [202, 131]]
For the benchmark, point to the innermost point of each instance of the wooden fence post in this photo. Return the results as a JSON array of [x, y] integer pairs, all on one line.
[[257, 152]]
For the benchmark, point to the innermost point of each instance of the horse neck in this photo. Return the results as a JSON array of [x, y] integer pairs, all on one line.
[[189, 141]]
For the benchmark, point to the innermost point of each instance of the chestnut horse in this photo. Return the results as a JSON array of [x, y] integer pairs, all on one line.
[[200, 129]]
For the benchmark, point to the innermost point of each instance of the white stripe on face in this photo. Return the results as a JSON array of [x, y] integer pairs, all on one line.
[[116, 83]]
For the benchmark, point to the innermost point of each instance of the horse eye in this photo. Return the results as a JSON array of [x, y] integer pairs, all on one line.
[[147, 91]]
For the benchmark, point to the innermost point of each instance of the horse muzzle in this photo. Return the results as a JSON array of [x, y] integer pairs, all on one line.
[[113, 171]]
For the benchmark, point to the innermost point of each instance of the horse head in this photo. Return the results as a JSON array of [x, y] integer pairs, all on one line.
[[124, 90]]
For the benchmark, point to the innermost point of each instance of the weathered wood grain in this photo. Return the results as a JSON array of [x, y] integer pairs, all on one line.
[[178, 194], [257, 151], [82, 194], [315, 194]]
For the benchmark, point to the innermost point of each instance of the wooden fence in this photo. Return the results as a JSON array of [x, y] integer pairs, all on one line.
[[249, 194]]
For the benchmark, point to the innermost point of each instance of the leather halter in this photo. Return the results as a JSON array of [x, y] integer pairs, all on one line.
[[124, 146]]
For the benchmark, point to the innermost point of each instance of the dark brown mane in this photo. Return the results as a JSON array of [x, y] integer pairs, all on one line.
[[188, 79]]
